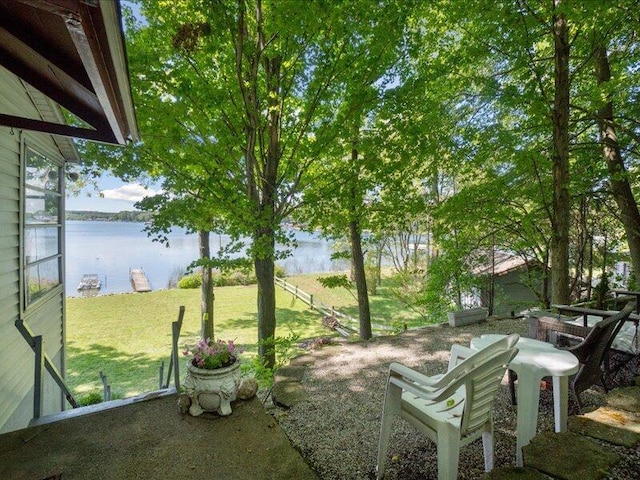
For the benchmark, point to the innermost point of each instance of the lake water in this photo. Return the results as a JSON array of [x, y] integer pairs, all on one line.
[[110, 249]]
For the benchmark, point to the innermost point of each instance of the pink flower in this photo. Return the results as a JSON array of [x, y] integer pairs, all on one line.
[[213, 354]]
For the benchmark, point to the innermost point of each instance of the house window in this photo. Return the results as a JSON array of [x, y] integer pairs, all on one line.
[[42, 225]]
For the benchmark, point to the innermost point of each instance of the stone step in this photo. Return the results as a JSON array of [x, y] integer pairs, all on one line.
[[576, 455], [568, 456]]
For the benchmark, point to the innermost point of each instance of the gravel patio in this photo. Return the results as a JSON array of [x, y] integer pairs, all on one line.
[[336, 428]]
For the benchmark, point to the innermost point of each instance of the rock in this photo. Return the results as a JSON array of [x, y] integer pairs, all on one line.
[[287, 394], [248, 388], [568, 456], [614, 426], [627, 398], [291, 373], [184, 402]]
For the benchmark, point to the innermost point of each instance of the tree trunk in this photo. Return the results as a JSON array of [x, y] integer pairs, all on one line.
[[357, 258], [590, 266], [364, 314], [618, 178], [206, 289], [545, 281], [266, 309], [561, 202]]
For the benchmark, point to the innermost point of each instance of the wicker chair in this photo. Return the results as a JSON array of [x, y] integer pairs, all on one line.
[[592, 351]]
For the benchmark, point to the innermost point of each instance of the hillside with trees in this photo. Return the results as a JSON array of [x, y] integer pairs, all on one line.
[[122, 216]]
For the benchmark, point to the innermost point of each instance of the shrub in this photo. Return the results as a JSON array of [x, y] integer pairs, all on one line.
[[191, 281], [92, 398], [234, 277]]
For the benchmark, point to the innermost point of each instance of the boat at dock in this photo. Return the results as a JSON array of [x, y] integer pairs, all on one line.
[[89, 281]]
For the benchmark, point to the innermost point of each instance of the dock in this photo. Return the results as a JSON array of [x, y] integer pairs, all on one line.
[[139, 281]]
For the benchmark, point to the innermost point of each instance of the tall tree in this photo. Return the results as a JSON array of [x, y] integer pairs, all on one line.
[[561, 179], [237, 100], [618, 175]]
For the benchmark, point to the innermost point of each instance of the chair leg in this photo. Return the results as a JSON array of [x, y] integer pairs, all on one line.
[[487, 446], [391, 408], [448, 452]]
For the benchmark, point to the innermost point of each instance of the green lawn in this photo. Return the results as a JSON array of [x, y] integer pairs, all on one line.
[[127, 336]]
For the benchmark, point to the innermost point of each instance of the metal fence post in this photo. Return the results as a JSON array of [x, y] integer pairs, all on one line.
[[38, 380]]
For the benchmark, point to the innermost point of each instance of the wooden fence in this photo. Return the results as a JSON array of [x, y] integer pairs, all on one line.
[[348, 321]]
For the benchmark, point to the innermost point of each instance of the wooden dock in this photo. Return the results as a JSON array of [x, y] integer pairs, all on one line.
[[139, 281]]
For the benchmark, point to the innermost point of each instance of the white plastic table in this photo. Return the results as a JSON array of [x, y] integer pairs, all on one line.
[[534, 361]]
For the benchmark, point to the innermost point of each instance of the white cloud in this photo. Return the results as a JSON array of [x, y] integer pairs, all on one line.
[[131, 192]]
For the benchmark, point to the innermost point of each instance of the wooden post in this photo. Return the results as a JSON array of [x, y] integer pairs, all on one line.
[[311, 300], [106, 388], [175, 333], [160, 375], [38, 381], [173, 361]]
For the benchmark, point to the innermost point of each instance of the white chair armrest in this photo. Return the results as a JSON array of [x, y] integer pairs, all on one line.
[[458, 354], [420, 385], [400, 370]]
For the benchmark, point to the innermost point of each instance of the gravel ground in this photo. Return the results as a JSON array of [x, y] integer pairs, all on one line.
[[337, 429]]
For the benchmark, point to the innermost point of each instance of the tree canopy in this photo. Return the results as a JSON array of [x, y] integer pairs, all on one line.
[[469, 126]]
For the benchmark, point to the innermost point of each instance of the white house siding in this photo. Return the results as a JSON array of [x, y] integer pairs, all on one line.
[[44, 317]]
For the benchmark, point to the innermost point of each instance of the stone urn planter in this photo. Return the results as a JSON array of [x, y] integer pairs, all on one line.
[[212, 390]]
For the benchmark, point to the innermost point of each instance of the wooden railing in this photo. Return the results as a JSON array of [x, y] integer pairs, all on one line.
[[173, 360], [326, 310], [42, 362]]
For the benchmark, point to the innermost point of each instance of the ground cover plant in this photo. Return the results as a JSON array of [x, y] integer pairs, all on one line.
[[127, 336]]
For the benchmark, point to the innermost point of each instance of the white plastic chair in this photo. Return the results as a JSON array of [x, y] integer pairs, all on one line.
[[453, 409]]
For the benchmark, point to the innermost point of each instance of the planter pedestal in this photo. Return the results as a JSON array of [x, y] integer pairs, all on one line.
[[212, 390]]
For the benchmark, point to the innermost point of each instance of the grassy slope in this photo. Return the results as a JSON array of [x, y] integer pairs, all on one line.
[[127, 336]]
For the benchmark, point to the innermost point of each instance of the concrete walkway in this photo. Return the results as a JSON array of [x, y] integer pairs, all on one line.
[[151, 440]]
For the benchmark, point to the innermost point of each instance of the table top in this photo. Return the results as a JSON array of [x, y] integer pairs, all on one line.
[[542, 357]]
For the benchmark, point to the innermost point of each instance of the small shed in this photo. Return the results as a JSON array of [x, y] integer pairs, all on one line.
[[508, 283]]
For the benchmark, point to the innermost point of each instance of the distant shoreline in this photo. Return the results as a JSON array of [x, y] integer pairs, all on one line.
[[133, 216]]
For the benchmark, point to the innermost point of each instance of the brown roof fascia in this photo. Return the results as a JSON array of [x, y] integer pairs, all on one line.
[[64, 49]]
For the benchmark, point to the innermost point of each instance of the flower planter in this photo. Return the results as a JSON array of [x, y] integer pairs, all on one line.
[[212, 390], [467, 317]]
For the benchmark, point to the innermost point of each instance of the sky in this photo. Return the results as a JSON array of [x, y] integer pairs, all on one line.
[[113, 195]]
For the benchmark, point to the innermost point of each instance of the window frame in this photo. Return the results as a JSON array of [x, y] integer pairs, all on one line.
[[31, 226]]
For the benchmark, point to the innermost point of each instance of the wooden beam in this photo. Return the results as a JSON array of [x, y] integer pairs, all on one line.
[[85, 32], [57, 129], [54, 82]]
